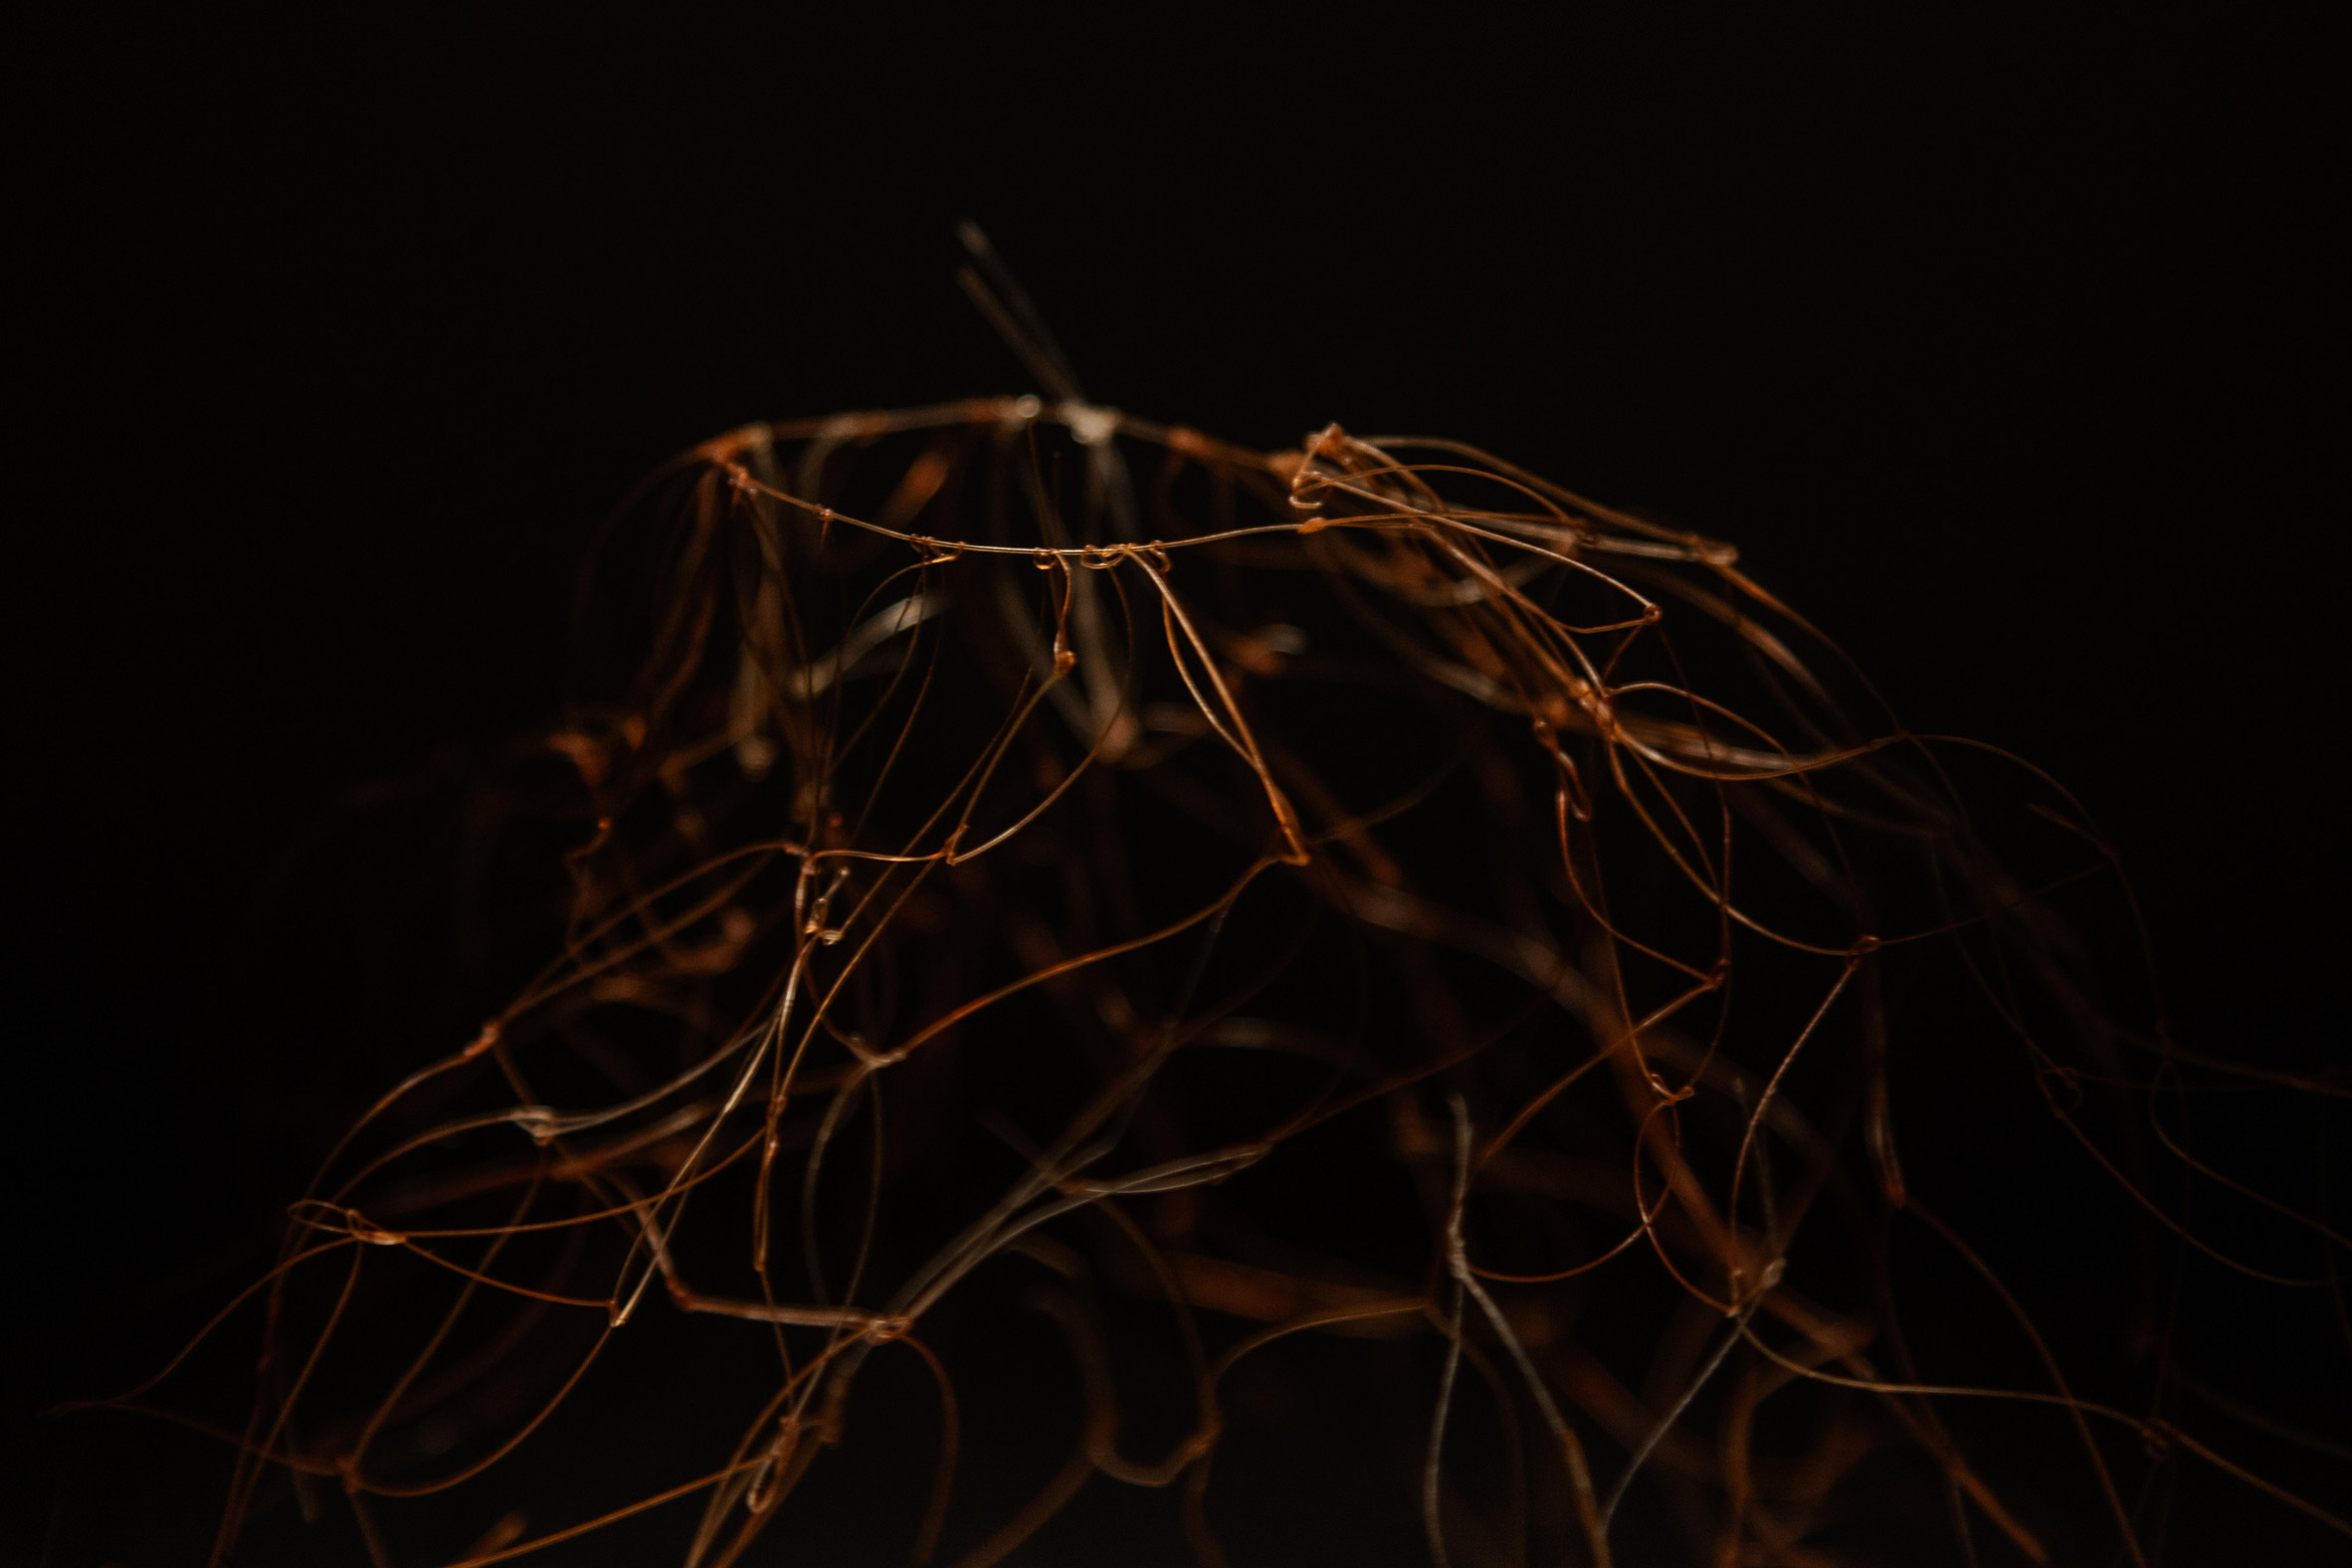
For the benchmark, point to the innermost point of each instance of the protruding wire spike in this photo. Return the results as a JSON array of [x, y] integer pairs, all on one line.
[[1000, 298]]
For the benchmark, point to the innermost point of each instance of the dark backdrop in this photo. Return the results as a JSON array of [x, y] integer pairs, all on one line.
[[1996, 339]]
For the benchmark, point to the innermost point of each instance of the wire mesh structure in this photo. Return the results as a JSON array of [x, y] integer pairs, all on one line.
[[1219, 901]]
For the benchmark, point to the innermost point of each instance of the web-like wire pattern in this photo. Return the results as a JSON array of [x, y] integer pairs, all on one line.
[[1030, 842]]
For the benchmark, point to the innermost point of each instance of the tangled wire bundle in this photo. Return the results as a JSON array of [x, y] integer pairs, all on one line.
[[1362, 903]]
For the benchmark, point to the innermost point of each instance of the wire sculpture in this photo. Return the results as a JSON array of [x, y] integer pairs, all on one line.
[[1364, 893]]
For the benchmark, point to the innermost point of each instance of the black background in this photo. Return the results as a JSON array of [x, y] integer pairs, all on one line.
[[1999, 341]]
